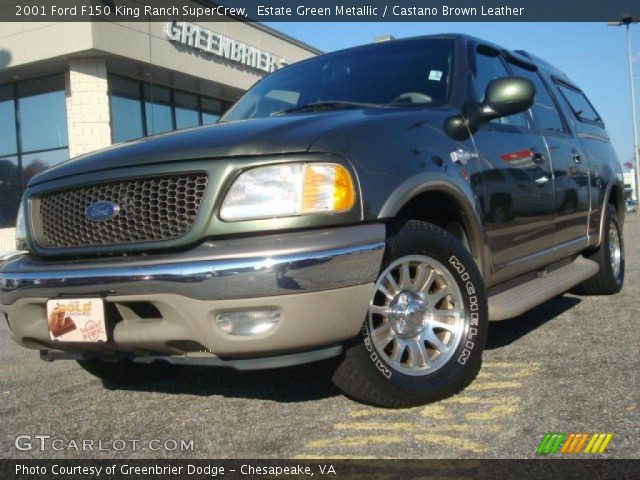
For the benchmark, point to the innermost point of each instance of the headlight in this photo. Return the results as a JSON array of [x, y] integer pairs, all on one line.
[[21, 229], [288, 190]]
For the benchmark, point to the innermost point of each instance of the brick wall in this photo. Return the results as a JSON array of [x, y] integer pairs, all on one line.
[[87, 106], [7, 240]]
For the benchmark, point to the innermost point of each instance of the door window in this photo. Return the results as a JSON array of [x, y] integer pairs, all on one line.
[[544, 110], [490, 66], [581, 107]]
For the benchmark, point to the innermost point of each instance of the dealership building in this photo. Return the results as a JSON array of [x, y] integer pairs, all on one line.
[[69, 88]]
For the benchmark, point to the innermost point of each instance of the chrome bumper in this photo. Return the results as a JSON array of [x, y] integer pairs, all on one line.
[[216, 270]]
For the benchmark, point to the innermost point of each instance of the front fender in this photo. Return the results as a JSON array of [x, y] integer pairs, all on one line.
[[460, 192]]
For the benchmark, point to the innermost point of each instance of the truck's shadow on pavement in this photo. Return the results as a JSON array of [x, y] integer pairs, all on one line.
[[313, 382], [506, 332], [293, 384]]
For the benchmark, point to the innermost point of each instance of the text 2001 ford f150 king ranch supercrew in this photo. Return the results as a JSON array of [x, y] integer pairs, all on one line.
[[379, 204]]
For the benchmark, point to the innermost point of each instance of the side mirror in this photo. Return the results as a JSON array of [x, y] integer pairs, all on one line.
[[503, 97], [507, 96]]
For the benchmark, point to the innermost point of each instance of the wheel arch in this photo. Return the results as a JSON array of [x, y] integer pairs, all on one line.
[[434, 198], [615, 196]]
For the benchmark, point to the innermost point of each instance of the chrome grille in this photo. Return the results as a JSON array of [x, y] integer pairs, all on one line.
[[151, 209]]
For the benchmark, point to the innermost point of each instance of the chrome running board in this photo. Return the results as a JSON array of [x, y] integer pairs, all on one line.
[[522, 297]]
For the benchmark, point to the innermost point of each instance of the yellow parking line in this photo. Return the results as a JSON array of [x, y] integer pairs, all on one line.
[[380, 411], [455, 442], [437, 412], [354, 441], [408, 427], [482, 386], [508, 365], [496, 379], [506, 399], [367, 426], [521, 373], [492, 413]]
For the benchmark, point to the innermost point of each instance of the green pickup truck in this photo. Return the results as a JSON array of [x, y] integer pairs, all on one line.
[[377, 205]]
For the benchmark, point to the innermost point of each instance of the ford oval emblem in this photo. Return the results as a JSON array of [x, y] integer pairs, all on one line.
[[101, 211]]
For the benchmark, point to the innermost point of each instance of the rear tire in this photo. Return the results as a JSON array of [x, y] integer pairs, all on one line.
[[423, 337], [610, 258], [125, 372]]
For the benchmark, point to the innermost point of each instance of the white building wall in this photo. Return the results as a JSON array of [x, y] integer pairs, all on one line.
[[7, 240], [630, 181], [87, 106]]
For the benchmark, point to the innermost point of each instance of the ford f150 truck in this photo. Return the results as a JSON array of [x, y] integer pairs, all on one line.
[[379, 204]]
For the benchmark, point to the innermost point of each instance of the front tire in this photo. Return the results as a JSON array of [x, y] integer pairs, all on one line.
[[426, 327], [610, 258]]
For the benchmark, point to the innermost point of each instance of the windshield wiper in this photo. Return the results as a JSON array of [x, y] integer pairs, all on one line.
[[328, 105]]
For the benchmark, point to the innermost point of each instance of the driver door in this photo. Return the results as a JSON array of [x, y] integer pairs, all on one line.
[[518, 182]]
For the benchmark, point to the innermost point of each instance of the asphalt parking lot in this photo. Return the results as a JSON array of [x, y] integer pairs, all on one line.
[[570, 365]]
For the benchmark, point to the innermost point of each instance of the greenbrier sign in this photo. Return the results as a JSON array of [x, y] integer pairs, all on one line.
[[205, 40]]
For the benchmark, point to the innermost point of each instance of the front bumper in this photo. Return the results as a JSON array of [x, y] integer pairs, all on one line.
[[321, 280]]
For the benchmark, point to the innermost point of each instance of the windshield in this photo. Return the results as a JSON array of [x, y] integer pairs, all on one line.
[[402, 72]]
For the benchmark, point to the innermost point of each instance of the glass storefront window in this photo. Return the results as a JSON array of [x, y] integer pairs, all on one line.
[[211, 110], [157, 104], [43, 114], [33, 137], [139, 109], [186, 107], [10, 190], [35, 163], [8, 137], [126, 113]]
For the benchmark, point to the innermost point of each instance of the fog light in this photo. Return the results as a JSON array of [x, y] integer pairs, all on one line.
[[248, 322]]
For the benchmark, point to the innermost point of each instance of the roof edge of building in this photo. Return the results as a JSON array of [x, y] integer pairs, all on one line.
[[272, 31], [284, 36]]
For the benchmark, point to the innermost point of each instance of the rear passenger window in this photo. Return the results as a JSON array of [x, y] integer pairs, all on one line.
[[489, 66], [580, 105], [544, 110]]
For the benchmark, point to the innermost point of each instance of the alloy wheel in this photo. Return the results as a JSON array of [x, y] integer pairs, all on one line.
[[416, 316]]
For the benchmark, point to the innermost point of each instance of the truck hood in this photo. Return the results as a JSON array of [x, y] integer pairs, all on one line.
[[265, 136]]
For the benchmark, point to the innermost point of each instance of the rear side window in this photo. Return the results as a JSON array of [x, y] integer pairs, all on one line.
[[489, 66], [582, 108], [544, 109]]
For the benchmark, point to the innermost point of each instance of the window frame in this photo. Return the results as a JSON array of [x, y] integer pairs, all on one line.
[[17, 97], [20, 152], [224, 104], [544, 131], [562, 83], [474, 51]]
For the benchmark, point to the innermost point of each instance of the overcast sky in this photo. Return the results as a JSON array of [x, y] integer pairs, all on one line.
[[593, 55]]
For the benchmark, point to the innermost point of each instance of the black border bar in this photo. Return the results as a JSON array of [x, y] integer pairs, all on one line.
[[489, 469], [319, 10]]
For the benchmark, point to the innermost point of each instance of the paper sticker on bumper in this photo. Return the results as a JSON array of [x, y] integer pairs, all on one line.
[[80, 320]]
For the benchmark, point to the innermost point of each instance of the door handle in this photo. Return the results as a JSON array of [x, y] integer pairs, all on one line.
[[577, 156], [538, 155]]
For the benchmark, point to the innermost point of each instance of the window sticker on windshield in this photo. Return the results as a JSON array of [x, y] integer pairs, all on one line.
[[435, 75]]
